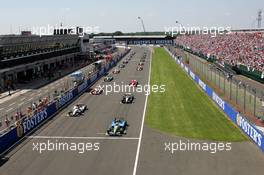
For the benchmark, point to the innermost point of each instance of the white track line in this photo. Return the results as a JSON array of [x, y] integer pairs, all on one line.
[[10, 109], [11, 104], [22, 99], [88, 138], [20, 104], [142, 124]]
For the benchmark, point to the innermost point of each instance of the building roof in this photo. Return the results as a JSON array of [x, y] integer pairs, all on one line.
[[130, 36]]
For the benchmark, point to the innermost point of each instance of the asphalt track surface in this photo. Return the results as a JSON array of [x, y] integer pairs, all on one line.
[[116, 155], [26, 97]]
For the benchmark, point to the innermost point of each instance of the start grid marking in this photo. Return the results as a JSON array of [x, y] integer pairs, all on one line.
[[85, 138]]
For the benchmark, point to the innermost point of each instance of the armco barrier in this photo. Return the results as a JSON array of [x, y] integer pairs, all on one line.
[[249, 129], [25, 126]]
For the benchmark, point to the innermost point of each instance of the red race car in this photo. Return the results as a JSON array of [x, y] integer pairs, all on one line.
[[133, 83], [96, 91]]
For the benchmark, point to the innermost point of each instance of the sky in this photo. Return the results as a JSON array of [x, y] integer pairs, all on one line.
[[122, 15]]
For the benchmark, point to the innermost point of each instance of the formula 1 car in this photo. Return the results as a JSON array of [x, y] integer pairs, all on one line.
[[133, 83], [127, 98], [77, 110], [121, 66], [108, 78], [125, 61], [139, 68], [97, 91], [118, 127], [141, 63], [116, 71]]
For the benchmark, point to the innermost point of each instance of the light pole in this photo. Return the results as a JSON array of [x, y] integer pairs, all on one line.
[[142, 24], [181, 27], [177, 22]]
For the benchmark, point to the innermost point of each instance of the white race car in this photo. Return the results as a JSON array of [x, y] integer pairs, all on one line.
[[77, 110]]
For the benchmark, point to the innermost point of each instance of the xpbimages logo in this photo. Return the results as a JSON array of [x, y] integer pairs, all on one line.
[[71, 30], [132, 88], [189, 30]]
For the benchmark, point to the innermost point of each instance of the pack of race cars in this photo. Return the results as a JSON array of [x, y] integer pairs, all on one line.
[[118, 126], [141, 62]]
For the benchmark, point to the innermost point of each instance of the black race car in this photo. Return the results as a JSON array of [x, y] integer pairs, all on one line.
[[127, 98], [141, 63], [125, 61]]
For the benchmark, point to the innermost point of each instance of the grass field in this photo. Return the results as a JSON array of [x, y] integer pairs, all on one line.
[[184, 110]]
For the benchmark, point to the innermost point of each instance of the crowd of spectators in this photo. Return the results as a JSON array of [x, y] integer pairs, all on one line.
[[31, 110], [246, 48]]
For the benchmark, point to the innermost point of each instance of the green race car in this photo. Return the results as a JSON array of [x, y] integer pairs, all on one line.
[[108, 78]]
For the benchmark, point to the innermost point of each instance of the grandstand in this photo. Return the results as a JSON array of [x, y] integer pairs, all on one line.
[[23, 56], [241, 50], [138, 39]]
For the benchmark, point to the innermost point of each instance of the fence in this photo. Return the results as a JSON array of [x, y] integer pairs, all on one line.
[[247, 97], [240, 69], [249, 129]]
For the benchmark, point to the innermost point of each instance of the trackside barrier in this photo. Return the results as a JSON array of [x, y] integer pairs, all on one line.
[[27, 125], [106, 67], [249, 129]]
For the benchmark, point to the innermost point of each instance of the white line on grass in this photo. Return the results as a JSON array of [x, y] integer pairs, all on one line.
[[142, 124], [88, 138]]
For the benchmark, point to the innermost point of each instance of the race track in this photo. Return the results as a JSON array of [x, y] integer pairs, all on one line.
[[131, 154], [115, 155]]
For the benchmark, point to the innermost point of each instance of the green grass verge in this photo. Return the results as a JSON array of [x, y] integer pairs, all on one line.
[[183, 109]]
